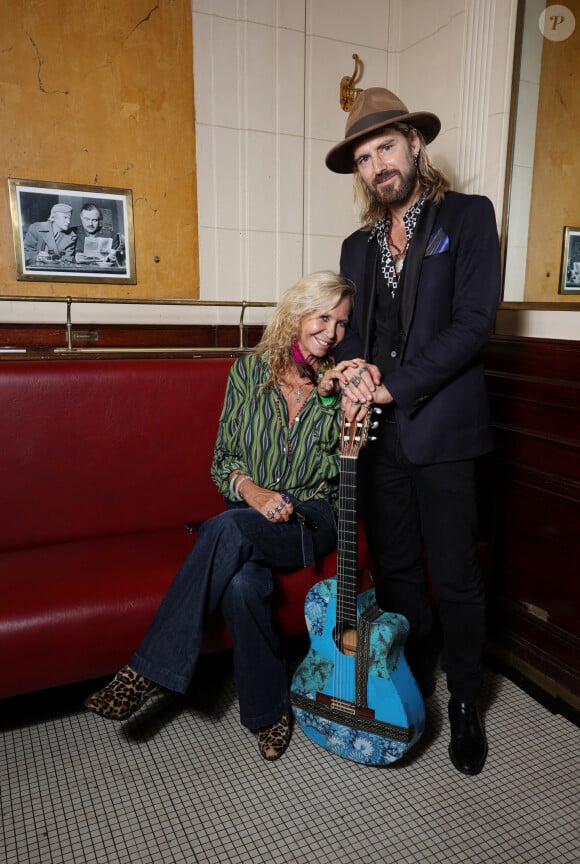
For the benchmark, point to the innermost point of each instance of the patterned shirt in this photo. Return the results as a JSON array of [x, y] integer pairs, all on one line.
[[302, 459], [381, 231]]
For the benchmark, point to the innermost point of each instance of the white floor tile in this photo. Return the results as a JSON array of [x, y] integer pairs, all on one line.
[[183, 782]]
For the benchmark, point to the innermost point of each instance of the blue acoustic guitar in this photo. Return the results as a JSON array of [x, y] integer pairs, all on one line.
[[354, 693]]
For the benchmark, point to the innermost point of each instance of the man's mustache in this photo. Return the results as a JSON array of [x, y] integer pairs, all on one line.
[[385, 175]]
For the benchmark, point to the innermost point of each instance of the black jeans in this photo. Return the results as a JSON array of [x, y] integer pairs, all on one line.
[[412, 509]]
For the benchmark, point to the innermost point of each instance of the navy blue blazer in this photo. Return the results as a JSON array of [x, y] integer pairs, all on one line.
[[449, 293]]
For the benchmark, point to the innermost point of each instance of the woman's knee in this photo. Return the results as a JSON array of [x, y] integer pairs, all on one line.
[[221, 522], [250, 584]]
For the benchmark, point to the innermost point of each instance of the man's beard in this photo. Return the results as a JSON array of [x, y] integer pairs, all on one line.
[[405, 190]]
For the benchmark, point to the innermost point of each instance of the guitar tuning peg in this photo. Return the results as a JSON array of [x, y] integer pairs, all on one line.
[[372, 438], [376, 410], [374, 426]]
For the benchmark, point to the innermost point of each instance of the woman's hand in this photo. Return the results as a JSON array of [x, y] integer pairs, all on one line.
[[336, 378], [274, 506], [362, 381]]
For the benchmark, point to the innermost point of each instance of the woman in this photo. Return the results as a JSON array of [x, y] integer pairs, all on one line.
[[276, 459]]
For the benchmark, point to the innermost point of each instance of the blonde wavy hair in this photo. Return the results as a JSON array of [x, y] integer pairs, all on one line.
[[317, 292], [433, 182]]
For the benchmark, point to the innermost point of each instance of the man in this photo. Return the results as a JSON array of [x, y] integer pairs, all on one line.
[[426, 269], [92, 227], [51, 241]]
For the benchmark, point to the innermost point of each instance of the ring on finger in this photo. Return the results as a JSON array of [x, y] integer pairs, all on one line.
[[279, 508], [270, 514], [355, 380], [363, 369]]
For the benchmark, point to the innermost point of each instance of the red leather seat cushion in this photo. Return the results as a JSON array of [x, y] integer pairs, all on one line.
[[94, 599]]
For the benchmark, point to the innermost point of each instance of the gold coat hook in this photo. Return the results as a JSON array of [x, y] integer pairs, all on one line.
[[348, 92]]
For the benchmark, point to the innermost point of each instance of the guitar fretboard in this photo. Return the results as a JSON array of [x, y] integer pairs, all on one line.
[[347, 544]]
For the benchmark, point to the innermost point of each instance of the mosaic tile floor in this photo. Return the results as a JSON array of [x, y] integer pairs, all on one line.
[[183, 782]]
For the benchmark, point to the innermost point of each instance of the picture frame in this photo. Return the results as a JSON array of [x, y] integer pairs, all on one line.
[[65, 232], [570, 273]]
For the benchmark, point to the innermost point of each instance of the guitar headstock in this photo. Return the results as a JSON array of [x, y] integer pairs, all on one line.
[[354, 434]]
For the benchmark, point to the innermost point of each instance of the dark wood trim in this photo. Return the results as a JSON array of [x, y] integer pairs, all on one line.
[[541, 358], [533, 589], [43, 338]]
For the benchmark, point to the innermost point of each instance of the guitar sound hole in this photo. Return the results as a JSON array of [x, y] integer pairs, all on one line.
[[345, 638]]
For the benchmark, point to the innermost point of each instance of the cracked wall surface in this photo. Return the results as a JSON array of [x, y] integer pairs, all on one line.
[[555, 190], [102, 94]]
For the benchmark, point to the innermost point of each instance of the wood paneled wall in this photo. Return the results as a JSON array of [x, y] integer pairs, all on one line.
[[41, 340], [534, 589]]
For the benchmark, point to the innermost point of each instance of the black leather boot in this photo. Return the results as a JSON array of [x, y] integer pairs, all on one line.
[[468, 746]]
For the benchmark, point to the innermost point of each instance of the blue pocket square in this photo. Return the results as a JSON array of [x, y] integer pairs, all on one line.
[[438, 243]]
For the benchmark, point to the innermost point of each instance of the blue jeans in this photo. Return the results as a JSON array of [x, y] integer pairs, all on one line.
[[230, 569]]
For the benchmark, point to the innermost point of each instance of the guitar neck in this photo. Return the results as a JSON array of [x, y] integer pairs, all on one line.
[[347, 571]]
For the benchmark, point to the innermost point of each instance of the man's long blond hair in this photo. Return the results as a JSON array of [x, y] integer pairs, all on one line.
[[433, 182], [317, 292]]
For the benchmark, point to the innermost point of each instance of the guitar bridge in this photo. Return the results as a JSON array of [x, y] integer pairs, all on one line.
[[345, 707]]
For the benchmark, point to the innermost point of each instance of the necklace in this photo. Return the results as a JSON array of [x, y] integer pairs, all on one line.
[[298, 392], [399, 257]]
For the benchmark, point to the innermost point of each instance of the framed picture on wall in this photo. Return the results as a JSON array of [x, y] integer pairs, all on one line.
[[70, 233], [570, 276]]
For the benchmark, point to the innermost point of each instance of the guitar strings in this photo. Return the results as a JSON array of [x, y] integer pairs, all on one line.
[[346, 600]]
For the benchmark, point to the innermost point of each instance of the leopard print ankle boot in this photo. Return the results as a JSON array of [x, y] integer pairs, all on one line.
[[274, 739], [123, 696]]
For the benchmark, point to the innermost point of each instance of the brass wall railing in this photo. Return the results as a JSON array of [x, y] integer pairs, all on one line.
[[242, 305]]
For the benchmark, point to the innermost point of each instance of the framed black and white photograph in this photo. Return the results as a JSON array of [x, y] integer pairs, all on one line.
[[570, 276], [71, 233]]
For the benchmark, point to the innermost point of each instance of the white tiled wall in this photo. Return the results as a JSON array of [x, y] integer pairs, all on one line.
[[249, 91], [267, 79]]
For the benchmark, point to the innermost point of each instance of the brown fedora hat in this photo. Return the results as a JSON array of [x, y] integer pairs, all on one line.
[[373, 109]]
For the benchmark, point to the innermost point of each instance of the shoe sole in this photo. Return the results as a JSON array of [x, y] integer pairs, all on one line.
[[119, 718]]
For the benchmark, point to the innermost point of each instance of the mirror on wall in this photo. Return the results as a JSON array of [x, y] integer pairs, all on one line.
[[541, 231]]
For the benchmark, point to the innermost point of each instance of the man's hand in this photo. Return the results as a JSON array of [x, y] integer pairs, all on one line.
[[362, 389]]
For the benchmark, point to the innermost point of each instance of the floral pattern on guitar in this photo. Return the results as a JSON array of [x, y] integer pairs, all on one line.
[[354, 744], [380, 728]]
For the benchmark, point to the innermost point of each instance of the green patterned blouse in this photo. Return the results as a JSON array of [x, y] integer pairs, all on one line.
[[253, 435]]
